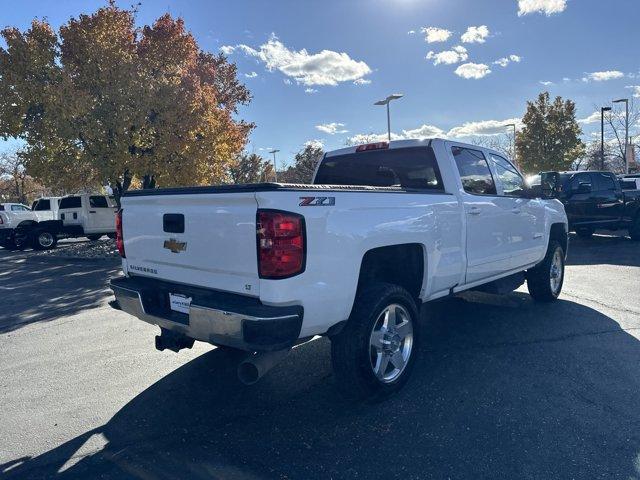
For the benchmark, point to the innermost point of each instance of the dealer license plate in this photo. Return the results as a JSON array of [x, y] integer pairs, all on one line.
[[179, 303]]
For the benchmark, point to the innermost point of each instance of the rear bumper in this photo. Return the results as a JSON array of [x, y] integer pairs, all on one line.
[[215, 317]]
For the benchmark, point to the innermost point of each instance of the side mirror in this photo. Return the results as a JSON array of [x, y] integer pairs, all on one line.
[[549, 184]]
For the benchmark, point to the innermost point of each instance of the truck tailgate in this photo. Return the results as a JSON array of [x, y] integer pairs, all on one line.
[[216, 248]]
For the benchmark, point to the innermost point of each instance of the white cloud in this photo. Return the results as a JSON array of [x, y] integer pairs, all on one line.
[[475, 34], [434, 34], [473, 70], [603, 76], [227, 49], [362, 81], [310, 90], [593, 118], [548, 7], [314, 143], [483, 128], [251, 75], [636, 90], [422, 132], [286, 81], [449, 57], [411, 32], [546, 83], [332, 128], [419, 133], [504, 61], [323, 68]]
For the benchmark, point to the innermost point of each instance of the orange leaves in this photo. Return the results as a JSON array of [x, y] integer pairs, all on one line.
[[106, 96]]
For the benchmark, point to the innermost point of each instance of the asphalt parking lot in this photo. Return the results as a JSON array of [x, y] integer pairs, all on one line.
[[504, 388]]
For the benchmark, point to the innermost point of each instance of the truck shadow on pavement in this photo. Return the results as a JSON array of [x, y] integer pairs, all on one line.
[[504, 388], [41, 290], [603, 249]]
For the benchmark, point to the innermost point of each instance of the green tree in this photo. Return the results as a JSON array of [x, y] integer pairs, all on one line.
[[305, 163], [550, 139], [103, 98], [250, 168]]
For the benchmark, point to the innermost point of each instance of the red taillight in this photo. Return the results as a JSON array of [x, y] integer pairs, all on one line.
[[119, 239], [372, 146], [281, 244]]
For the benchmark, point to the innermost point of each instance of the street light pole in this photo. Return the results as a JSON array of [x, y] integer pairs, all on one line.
[[602, 110], [514, 141], [626, 131], [275, 167], [386, 102]]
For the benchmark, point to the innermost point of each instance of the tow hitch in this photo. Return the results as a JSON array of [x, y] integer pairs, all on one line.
[[172, 341]]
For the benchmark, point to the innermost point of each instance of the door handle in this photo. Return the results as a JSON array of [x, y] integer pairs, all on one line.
[[474, 211], [92, 211]]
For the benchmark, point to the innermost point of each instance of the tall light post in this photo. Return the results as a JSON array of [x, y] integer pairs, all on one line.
[[514, 141], [626, 131], [275, 167], [386, 102], [602, 110]]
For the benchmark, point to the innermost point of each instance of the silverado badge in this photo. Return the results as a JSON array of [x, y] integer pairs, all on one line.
[[175, 246]]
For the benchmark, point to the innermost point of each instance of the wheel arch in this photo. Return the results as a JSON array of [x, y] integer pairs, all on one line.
[[559, 232], [401, 264]]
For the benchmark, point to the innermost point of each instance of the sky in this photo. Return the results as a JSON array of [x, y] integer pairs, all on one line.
[[465, 67]]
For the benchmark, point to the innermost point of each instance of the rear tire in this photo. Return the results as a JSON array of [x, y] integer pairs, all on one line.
[[545, 280], [94, 238], [375, 352], [584, 232], [44, 240], [634, 231]]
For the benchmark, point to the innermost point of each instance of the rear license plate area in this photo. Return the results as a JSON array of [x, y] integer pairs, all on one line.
[[179, 302]]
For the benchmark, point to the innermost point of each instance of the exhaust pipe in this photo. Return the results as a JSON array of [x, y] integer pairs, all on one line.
[[252, 368]]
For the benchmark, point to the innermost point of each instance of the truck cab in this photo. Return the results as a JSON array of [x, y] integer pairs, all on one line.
[[596, 200], [88, 215]]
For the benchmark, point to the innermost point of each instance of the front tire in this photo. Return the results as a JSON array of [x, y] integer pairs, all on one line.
[[44, 240], [545, 280], [374, 354]]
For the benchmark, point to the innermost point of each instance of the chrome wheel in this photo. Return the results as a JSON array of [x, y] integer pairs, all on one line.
[[45, 239], [556, 272], [391, 343]]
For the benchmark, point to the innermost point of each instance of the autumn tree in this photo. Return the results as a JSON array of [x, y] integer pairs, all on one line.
[[550, 138], [305, 163], [102, 98], [15, 184], [250, 168]]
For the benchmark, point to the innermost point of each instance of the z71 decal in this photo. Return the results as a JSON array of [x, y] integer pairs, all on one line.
[[317, 201]]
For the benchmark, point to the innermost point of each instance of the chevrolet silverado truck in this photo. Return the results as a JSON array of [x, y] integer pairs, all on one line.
[[384, 229], [598, 200]]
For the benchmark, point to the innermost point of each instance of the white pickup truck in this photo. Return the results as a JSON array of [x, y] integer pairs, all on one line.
[[384, 229]]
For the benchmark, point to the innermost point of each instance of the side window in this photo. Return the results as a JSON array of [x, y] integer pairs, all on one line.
[[604, 182], [70, 202], [511, 181], [42, 205], [474, 171], [577, 180], [19, 208], [98, 202]]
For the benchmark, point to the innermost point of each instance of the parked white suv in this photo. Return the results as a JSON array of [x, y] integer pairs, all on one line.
[[384, 229]]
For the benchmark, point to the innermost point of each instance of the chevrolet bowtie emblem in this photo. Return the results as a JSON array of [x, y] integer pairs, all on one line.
[[175, 246]]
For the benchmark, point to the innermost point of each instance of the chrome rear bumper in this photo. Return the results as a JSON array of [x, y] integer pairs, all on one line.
[[251, 327]]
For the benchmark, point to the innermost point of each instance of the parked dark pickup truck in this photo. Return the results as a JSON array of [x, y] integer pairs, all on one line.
[[596, 200]]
